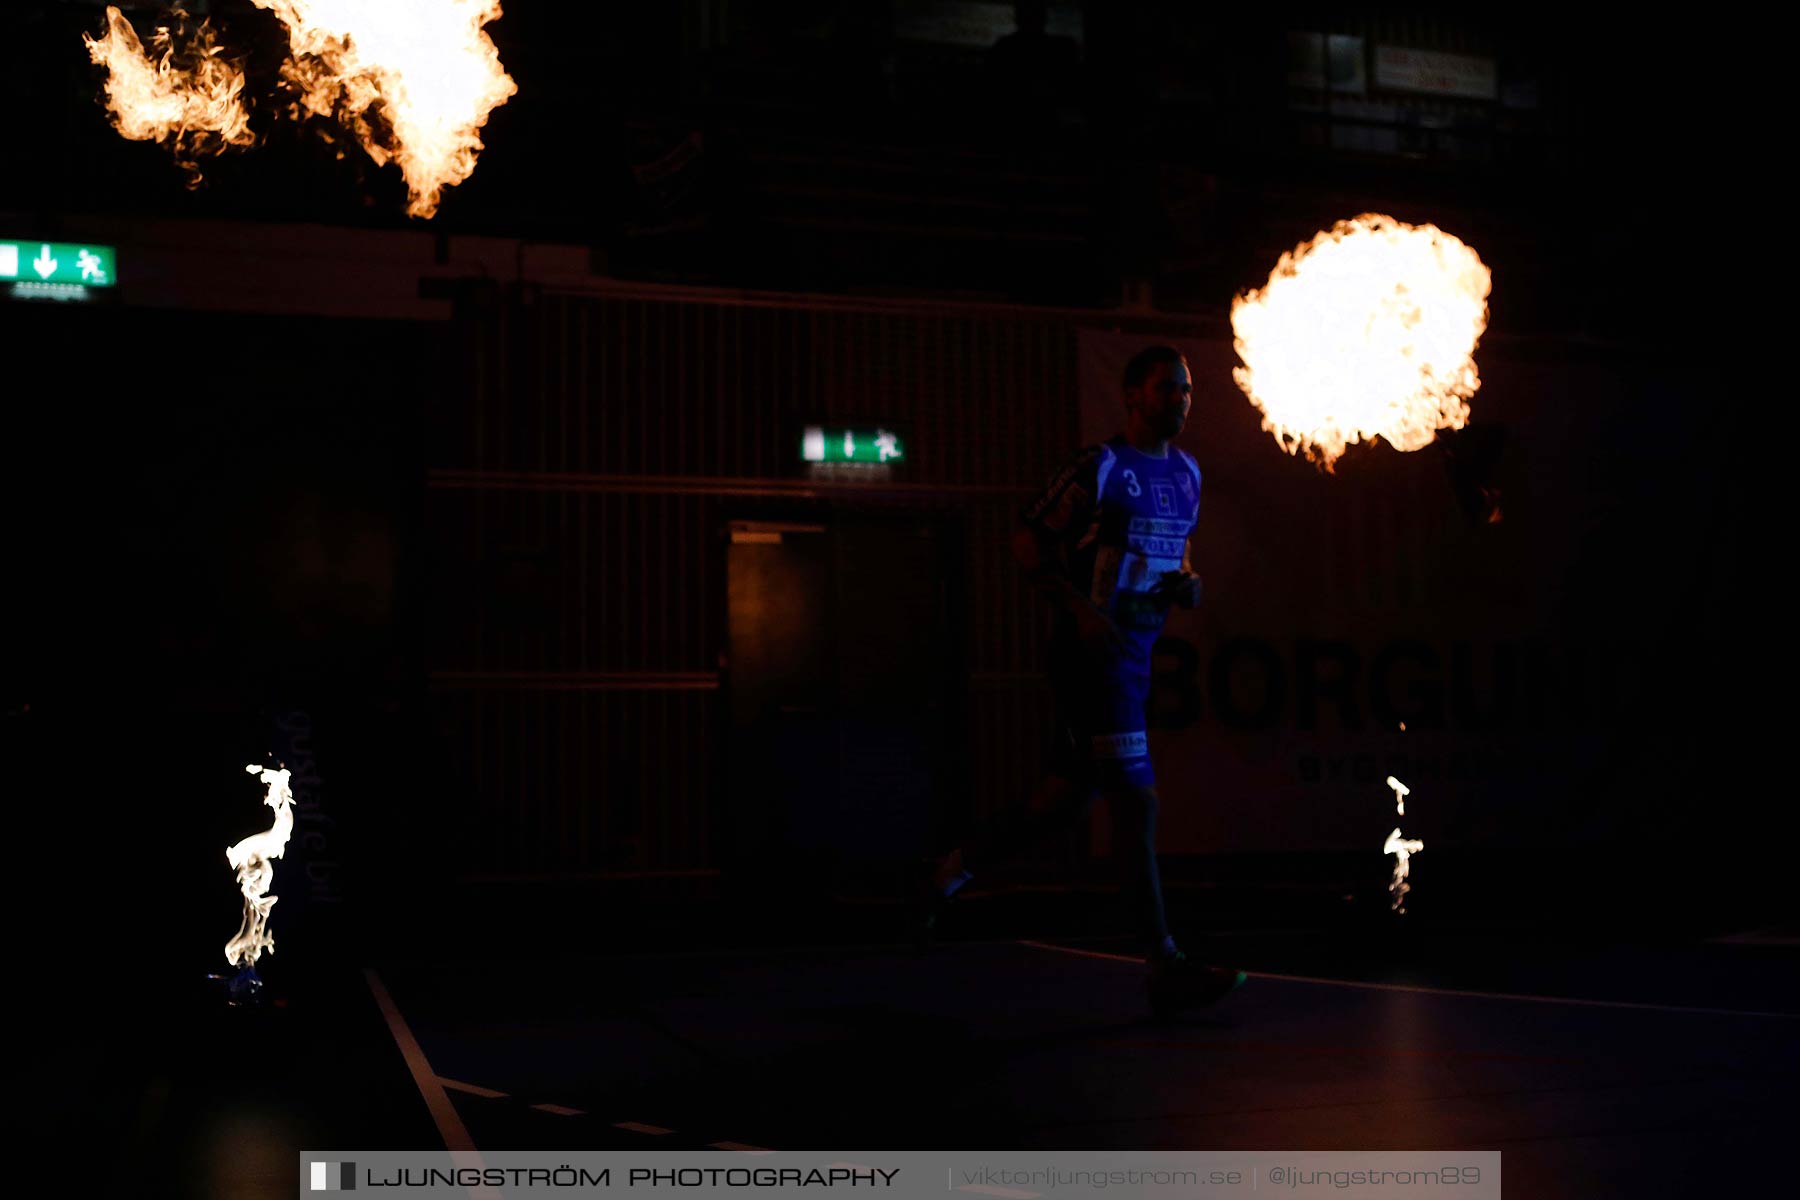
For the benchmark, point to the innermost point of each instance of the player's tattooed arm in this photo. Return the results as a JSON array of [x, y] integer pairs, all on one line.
[[1035, 550]]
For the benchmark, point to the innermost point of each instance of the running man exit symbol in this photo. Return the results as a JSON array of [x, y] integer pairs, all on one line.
[[91, 265], [836, 444]]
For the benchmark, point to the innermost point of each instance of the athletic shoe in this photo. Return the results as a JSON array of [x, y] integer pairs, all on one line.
[[1179, 982], [935, 894]]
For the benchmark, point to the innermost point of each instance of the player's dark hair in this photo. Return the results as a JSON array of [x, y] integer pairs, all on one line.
[[1145, 361]]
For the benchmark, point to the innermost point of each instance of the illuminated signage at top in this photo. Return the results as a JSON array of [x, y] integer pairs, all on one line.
[[47, 266]]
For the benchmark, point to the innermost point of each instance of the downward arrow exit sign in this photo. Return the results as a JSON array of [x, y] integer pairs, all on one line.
[[90, 265]]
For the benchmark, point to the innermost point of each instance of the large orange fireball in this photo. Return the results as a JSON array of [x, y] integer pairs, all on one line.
[[1369, 330], [412, 80], [182, 93]]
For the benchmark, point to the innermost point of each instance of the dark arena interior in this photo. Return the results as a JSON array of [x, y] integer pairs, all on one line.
[[654, 548]]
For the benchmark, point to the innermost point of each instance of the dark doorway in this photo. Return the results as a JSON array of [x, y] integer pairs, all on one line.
[[842, 673]]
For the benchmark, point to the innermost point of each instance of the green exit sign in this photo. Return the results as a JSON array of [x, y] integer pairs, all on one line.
[[819, 444], [29, 262]]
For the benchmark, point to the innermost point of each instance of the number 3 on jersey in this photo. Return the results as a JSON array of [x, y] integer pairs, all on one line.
[[1131, 483]]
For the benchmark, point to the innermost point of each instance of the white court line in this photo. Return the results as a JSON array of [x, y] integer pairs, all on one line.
[[474, 1089], [1427, 991], [443, 1113], [1084, 953], [560, 1110], [640, 1127]]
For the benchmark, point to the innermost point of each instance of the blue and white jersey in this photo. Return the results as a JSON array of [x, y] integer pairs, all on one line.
[[1123, 519]]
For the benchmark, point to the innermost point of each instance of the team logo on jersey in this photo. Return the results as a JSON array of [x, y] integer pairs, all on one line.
[[1121, 745], [1165, 497], [1187, 487], [1137, 610]]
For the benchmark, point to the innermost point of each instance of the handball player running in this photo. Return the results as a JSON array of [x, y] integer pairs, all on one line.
[[1107, 543]]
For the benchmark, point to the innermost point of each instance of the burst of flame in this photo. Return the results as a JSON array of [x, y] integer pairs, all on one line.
[[413, 80], [1402, 848], [1366, 331], [252, 859], [187, 95]]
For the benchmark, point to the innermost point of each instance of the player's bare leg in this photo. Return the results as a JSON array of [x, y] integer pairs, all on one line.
[[1058, 802], [1134, 813], [1175, 981]]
